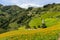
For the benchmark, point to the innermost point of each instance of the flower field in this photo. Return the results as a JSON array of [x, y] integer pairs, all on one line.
[[51, 33]]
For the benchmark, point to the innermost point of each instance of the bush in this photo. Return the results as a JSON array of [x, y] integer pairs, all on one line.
[[13, 26], [34, 27], [44, 25], [39, 26], [27, 26]]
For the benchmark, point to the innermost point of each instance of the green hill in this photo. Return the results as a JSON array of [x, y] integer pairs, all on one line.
[[51, 33], [13, 17]]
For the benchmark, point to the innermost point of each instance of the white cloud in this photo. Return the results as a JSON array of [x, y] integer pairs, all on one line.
[[23, 4], [29, 5]]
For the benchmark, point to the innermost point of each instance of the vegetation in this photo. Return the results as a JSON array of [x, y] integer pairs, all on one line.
[[13, 17], [51, 33], [27, 24]]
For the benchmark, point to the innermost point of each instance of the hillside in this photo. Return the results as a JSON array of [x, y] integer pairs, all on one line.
[[13, 17], [51, 33]]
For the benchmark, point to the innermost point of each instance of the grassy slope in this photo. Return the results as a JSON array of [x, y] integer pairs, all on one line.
[[50, 33], [49, 22], [49, 17]]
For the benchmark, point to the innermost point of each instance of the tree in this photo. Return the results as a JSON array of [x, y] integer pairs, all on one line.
[[34, 27], [44, 25], [30, 8], [39, 26], [27, 26], [13, 26]]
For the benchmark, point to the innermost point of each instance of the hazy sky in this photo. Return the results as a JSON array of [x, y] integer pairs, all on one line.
[[26, 3]]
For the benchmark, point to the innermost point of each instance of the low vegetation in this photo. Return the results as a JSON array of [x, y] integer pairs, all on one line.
[[51, 33], [41, 23]]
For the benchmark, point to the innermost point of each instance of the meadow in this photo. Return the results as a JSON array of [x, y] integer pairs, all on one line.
[[51, 33]]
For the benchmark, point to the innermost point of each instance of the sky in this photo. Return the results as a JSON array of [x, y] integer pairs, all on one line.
[[27, 3]]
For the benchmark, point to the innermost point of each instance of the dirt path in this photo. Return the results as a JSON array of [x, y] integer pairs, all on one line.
[[59, 37]]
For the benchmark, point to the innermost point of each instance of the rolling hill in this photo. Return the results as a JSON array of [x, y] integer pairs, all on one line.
[[51, 33], [13, 17]]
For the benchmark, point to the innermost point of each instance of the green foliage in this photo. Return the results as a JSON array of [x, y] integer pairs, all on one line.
[[44, 25], [12, 17], [13, 26]]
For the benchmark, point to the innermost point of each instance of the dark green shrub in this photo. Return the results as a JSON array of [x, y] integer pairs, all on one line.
[[34, 27], [27, 26], [39, 26], [44, 25]]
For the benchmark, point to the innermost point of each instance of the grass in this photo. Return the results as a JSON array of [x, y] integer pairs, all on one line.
[[50, 18], [50, 14], [50, 33], [48, 21]]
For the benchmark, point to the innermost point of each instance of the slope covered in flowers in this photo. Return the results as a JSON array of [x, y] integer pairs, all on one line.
[[50, 33]]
